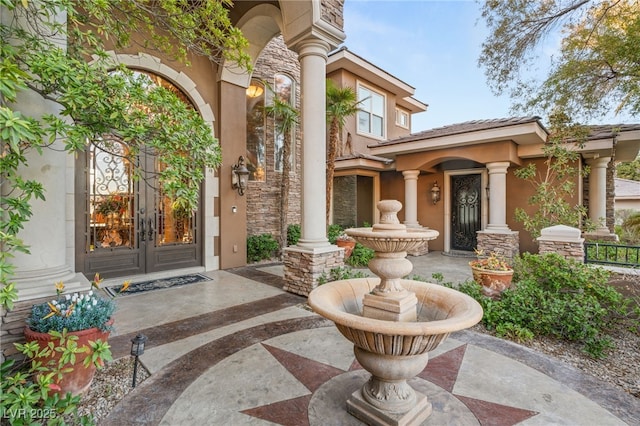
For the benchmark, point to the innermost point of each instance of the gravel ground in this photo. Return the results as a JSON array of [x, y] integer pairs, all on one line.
[[621, 367]]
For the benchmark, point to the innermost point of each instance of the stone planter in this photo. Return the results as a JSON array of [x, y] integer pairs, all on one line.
[[493, 282], [79, 379]]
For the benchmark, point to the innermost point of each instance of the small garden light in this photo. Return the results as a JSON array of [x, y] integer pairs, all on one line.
[[137, 349]]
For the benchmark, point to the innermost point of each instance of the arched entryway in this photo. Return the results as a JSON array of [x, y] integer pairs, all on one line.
[[126, 225]]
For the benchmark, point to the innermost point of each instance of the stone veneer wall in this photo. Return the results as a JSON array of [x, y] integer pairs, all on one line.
[[303, 269], [563, 240], [345, 198], [568, 250], [13, 323], [506, 244], [332, 12], [263, 198], [611, 195]]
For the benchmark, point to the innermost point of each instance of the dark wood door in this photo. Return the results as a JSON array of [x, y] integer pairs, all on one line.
[[126, 226], [465, 211]]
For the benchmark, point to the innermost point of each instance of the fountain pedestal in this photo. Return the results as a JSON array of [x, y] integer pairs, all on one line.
[[396, 307], [387, 398], [393, 323]]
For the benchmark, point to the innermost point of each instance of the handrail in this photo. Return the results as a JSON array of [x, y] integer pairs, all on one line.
[[611, 254]]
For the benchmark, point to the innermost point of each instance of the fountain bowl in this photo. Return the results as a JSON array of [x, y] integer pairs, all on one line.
[[440, 311]]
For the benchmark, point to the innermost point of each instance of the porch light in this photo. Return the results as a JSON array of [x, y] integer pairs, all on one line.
[[239, 176], [137, 349], [254, 91], [435, 192]]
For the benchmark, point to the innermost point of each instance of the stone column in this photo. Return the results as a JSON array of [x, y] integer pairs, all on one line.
[[313, 61], [411, 198], [497, 196], [598, 193], [49, 233], [498, 237], [313, 256]]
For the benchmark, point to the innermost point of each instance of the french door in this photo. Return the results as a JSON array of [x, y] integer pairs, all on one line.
[[466, 205], [126, 225]]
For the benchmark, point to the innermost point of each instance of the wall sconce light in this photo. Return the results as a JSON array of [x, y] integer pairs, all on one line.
[[239, 176], [137, 349], [254, 91], [435, 192]]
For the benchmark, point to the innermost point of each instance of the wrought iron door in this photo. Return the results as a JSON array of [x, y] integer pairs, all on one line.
[[465, 211], [126, 226]]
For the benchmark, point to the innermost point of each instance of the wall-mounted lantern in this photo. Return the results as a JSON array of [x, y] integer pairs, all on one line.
[[239, 176], [435, 192]]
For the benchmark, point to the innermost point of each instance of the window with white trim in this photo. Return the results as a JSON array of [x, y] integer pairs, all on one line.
[[402, 118], [371, 114]]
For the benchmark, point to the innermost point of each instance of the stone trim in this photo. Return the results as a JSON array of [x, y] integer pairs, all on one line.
[[563, 240], [303, 268], [13, 323], [505, 244]]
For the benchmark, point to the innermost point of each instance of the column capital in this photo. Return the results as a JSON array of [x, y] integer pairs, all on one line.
[[312, 47], [411, 174], [498, 167], [598, 161]]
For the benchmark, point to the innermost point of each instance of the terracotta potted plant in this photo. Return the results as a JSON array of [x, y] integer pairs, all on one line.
[[492, 272], [81, 323], [346, 242]]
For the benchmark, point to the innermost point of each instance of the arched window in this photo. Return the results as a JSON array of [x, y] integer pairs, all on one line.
[[255, 158], [285, 90]]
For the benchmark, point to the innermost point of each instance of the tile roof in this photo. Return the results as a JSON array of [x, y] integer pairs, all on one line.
[[358, 155], [627, 188], [459, 128], [606, 131], [601, 131]]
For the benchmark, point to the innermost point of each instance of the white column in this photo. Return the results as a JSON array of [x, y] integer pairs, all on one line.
[[312, 55], [411, 198], [598, 193], [497, 196], [49, 232]]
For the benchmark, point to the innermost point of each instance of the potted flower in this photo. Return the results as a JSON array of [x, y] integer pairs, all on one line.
[[347, 242], [83, 322], [492, 272]]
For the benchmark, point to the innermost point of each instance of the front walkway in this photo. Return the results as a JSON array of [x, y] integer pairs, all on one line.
[[238, 350]]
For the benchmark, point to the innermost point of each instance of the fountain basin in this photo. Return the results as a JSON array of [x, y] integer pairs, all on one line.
[[440, 311]]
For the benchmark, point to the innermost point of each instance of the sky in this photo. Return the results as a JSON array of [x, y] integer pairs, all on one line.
[[433, 46]]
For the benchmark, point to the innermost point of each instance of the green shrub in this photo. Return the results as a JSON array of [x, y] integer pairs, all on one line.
[[334, 232], [342, 273], [26, 397], [260, 247], [360, 256], [293, 234], [556, 297]]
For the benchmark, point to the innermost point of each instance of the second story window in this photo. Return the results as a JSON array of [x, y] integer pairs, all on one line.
[[402, 118], [371, 114]]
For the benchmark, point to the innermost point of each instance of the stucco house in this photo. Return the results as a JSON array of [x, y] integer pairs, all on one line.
[[627, 198], [295, 47]]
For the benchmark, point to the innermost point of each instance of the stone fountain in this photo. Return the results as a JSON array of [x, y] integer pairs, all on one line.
[[392, 322]]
